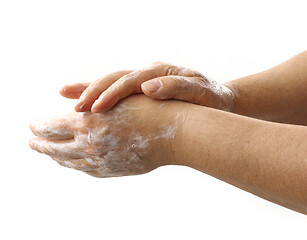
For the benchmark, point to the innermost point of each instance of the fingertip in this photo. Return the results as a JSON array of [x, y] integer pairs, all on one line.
[[68, 92], [30, 143], [146, 92], [102, 106], [94, 109], [32, 126], [80, 107], [77, 109], [63, 91], [73, 91], [97, 109], [158, 94], [151, 87], [33, 145], [98, 105]]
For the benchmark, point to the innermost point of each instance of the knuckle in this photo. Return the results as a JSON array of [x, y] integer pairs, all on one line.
[[131, 74], [161, 65], [178, 82], [174, 70], [158, 63], [171, 86], [165, 68], [184, 85], [170, 82], [181, 82]]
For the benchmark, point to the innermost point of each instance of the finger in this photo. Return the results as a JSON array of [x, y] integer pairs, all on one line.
[[60, 148], [190, 89], [127, 85], [92, 92], [53, 128], [73, 91], [78, 164], [94, 174], [185, 72]]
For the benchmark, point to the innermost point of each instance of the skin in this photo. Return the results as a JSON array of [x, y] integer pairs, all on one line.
[[265, 158], [251, 154], [278, 94], [120, 142], [174, 83]]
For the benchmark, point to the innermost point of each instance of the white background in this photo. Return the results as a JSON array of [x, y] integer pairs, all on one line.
[[45, 44]]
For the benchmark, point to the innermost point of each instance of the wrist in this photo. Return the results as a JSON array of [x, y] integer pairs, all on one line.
[[234, 98], [227, 98], [164, 126]]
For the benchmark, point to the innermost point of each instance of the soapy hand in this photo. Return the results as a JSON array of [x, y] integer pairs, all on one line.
[[126, 140], [158, 81]]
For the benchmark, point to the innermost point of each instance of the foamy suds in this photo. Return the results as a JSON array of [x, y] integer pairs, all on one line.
[[103, 143]]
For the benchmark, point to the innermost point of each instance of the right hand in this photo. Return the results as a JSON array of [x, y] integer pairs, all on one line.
[[159, 81], [135, 137]]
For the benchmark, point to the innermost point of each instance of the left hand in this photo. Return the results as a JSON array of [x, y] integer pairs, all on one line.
[[158, 81]]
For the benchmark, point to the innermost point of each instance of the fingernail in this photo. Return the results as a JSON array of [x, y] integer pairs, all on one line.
[[152, 86], [100, 107], [80, 107]]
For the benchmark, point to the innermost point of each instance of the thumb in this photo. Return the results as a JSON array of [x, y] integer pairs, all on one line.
[[187, 89]]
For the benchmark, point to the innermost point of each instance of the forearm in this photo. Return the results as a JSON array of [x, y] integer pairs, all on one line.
[[264, 158], [278, 94]]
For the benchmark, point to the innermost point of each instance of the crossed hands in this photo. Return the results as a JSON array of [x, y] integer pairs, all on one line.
[[107, 137]]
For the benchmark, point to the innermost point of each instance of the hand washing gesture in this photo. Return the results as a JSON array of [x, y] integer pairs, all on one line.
[[158, 81]]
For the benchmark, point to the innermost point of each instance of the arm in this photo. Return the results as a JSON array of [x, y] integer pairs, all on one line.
[[278, 94], [267, 159], [264, 158]]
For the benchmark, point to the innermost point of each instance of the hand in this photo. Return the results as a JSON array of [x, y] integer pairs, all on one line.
[[159, 81], [134, 137]]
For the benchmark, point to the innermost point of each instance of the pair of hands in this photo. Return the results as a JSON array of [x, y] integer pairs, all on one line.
[[138, 134]]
